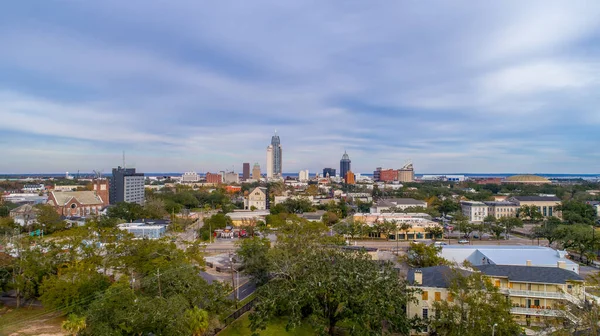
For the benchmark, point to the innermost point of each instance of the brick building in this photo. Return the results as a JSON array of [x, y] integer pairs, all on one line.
[[214, 178]]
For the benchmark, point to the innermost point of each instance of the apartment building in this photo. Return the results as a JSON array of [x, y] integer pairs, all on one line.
[[535, 293], [258, 198], [502, 209], [546, 204]]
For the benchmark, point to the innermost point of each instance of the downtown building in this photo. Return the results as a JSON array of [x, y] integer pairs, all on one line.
[[328, 172], [274, 158], [345, 165], [127, 186]]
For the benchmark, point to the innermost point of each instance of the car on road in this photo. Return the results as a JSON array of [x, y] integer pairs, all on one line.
[[463, 241], [440, 244]]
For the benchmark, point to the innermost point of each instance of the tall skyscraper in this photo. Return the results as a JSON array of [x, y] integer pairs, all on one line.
[[246, 171], [274, 157], [344, 165], [127, 186]]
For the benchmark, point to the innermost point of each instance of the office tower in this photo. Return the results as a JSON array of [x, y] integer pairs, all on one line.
[[344, 165], [256, 172], [406, 173], [126, 186], [377, 174], [328, 172], [246, 171], [274, 157]]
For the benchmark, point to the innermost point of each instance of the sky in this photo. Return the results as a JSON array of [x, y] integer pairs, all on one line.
[[192, 85]]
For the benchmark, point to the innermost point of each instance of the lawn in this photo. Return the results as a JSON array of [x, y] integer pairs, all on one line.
[[29, 321], [276, 328]]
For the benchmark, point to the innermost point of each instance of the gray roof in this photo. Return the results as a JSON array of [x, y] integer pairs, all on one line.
[[399, 201], [500, 203], [537, 198], [435, 276], [552, 275]]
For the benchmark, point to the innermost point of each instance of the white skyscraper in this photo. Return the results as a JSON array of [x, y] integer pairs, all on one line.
[[303, 176], [270, 161]]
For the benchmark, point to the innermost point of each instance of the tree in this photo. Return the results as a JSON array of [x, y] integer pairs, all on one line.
[[74, 324], [48, 219], [477, 306], [530, 213], [577, 212], [509, 223], [423, 255], [254, 256], [548, 229], [330, 286], [154, 208], [197, 321], [447, 206], [330, 218], [497, 230], [435, 231], [126, 211], [351, 227], [312, 190], [579, 237]]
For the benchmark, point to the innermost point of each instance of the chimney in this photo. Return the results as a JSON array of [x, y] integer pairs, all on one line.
[[418, 277], [561, 264], [528, 262]]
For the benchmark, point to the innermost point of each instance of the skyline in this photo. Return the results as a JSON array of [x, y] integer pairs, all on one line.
[[456, 87]]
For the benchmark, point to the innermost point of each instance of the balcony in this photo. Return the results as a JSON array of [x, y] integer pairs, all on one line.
[[541, 295], [544, 312]]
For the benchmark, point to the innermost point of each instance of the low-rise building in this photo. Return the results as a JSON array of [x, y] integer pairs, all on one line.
[[397, 204], [257, 199], [535, 293], [474, 211], [147, 230], [418, 224], [76, 203], [33, 188], [546, 204], [502, 209], [24, 215], [190, 177], [596, 205], [246, 217]]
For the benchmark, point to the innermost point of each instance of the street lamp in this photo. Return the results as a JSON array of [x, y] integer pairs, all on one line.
[[235, 296], [494, 329]]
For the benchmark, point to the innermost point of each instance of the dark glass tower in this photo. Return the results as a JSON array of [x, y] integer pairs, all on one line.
[[275, 142], [344, 165]]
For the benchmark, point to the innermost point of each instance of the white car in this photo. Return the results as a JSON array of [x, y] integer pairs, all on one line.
[[440, 244], [463, 241]]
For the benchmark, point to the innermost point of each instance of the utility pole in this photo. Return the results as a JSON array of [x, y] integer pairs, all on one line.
[[235, 297], [158, 277]]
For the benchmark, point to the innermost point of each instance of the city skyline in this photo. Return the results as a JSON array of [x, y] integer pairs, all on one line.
[[461, 87]]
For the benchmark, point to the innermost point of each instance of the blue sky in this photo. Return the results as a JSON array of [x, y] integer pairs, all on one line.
[[454, 86]]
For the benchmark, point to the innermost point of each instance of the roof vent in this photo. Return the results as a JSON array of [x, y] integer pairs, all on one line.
[[561, 254]]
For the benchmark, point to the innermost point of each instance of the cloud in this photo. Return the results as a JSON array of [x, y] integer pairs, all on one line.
[[455, 87]]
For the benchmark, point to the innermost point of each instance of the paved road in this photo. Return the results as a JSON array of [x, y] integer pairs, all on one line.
[[245, 290]]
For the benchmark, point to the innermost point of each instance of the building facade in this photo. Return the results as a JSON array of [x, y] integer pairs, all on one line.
[[345, 165], [350, 178], [256, 172], [546, 204], [127, 186], [502, 209], [274, 157], [214, 178], [474, 211], [190, 177], [258, 199], [406, 173], [231, 177], [397, 204], [388, 175], [328, 172], [303, 175], [246, 171], [76, 203]]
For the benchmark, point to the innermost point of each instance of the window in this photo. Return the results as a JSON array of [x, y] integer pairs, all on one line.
[[438, 296], [425, 295], [450, 297], [510, 285], [425, 313], [545, 211], [536, 303], [497, 284]]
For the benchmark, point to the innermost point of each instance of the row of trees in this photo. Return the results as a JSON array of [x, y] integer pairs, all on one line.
[[111, 284]]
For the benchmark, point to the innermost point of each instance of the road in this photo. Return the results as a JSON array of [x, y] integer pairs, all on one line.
[[245, 289]]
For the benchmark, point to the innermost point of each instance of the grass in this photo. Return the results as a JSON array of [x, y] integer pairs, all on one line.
[[241, 327], [29, 321]]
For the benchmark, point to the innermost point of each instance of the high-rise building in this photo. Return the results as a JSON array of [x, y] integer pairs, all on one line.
[[328, 172], [127, 186], [303, 176], [246, 171], [344, 165], [377, 174], [350, 178], [256, 172], [406, 173], [274, 157], [231, 177], [214, 178]]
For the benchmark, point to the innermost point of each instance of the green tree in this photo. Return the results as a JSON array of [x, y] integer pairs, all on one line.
[[74, 324], [351, 228], [577, 212], [197, 321], [579, 237], [48, 219], [447, 206], [422, 255], [548, 229], [126, 211], [254, 256], [497, 230], [477, 306], [510, 223], [435, 232], [329, 286], [154, 208], [529, 213]]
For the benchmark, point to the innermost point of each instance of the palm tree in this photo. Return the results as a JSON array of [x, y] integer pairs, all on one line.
[[74, 324]]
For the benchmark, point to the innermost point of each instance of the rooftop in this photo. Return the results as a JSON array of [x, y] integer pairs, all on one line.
[[435, 276], [537, 198], [552, 275], [83, 197], [526, 179]]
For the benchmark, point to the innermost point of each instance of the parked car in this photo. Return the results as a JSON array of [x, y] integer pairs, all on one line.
[[440, 243], [463, 241]]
